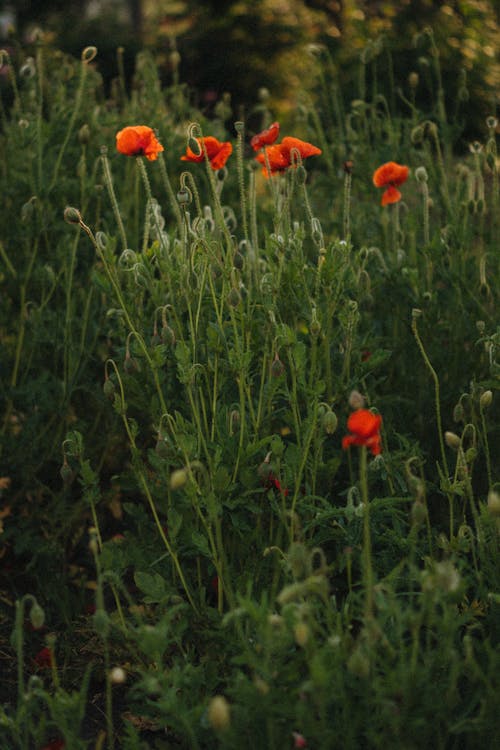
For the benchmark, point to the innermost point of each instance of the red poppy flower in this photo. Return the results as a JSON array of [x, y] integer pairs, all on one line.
[[43, 658], [217, 152], [365, 429], [266, 137], [280, 155], [55, 745], [138, 140], [389, 175]]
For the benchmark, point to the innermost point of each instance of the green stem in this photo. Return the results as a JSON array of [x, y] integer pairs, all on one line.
[[367, 542]]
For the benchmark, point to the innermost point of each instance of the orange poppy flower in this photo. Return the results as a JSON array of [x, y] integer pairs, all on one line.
[[138, 140], [365, 429], [389, 175], [266, 137], [280, 157], [217, 152]]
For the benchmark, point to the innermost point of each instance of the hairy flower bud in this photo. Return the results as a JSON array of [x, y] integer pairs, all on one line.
[[178, 479], [219, 713], [485, 399], [452, 440], [72, 215]]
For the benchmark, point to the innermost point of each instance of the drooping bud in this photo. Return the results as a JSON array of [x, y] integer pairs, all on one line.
[[117, 676], [72, 215], [330, 422], [178, 479], [37, 616], [485, 399], [356, 400], [219, 713], [277, 367], [494, 503], [452, 440], [301, 633], [421, 174]]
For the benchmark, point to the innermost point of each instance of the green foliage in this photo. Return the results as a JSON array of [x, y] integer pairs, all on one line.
[[181, 349]]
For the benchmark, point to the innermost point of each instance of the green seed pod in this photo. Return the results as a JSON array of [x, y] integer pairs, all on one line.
[[219, 713]]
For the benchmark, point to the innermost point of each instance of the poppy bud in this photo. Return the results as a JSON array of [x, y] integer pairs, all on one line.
[[301, 175], [161, 448], [494, 503], [301, 634], [234, 297], [84, 134], [109, 388], [234, 421], [485, 399], [421, 174], [27, 210], [167, 335], [452, 440], [277, 367], [130, 364], [238, 261], [458, 413], [219, 713], [195, 146], [117, 676], [356, 400], [347, 166], [239, 127], [413, 79], [66, 472], [178, 479], [72, 215], [491, 122], [417, 134], [174, 59], [37, 616], [330, 422]]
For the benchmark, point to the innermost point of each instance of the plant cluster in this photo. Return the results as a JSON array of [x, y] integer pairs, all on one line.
[[249, 419]]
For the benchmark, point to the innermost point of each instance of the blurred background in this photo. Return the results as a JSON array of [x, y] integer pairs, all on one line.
[[241, 46]]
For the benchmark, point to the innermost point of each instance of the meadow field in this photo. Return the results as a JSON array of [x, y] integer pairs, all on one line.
[[249, 410]]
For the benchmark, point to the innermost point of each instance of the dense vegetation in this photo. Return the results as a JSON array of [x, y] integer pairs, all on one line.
[[193, 554]]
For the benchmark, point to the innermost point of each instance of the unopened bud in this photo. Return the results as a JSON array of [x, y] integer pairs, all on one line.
[[413, 79], [356, 400], [452, 440], [66, 472], [178, 479], [494, 503], [84, 134], [421, 174], [117, 676], [485, 399], [234, 297], [219, 713], [109, 388], [277, 367], [72, 215], [301, 634], [101, 622], [37, 616], [330, 422]]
